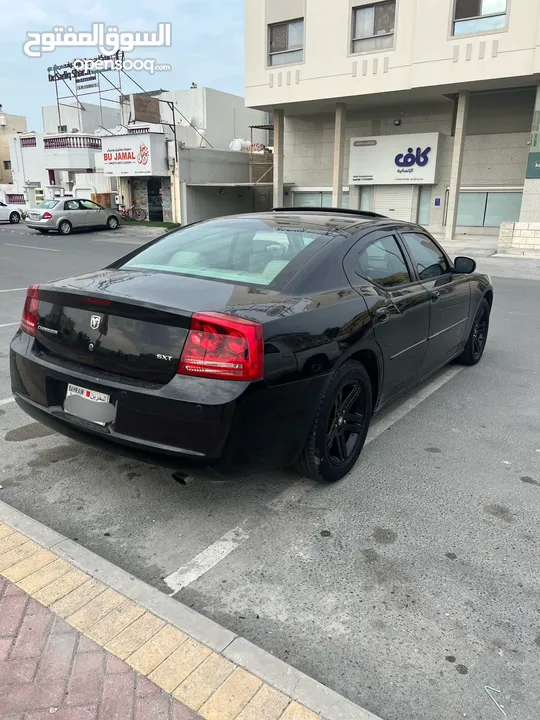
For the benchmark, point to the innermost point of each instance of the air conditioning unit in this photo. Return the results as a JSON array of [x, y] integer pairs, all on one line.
[[3, 121], [62, 128]]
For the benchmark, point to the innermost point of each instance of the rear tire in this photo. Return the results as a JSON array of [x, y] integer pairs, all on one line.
[[14, 218], [112, 222], [43, 232], [339, 430], [139, 215], [65, 227], [476, 342]]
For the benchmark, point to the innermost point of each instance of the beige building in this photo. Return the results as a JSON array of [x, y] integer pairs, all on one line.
[[9, 125], [418, 109]]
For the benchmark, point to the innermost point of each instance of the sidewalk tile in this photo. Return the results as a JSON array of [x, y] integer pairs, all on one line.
[[197, 688], [95, 610], [299, 712], [45, 576], [181, 712], [231, 697], [12, 590], [11, 613], [5, 530], [18, 671], [22, 698], [117, 701], [77, 598], [79, 713], [86, 645], [116, 621], [33, 634], [10, 541], [154, 707], [135, 635], [61, 627], [86, 679], [59, 588], [115, 665], [156, 650], [26, 567], [179, 665], [268, 704], [5, 646], [56, 662], [146, 687], [18, 553]]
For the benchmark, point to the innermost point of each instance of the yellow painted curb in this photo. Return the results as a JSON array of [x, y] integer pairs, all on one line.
[[202, 679]]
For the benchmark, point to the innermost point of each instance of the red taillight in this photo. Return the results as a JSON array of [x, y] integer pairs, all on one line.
[[97, 301], [30, 312], [222, 346], [46, 216]]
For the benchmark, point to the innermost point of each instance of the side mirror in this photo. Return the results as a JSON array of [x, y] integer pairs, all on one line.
[[464, 265]]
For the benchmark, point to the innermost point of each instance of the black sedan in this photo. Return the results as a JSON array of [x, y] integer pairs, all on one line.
[[249, 342]]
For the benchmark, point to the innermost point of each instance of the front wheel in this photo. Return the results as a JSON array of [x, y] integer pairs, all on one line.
[[14, 218], [64, 228], [339, 430], [476, 342]]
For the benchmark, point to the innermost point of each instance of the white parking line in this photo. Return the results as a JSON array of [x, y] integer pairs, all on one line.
[[7, 401], [31, 247], [215, 553], [206, 560], [13, 290], [9, 324], [405, 407]]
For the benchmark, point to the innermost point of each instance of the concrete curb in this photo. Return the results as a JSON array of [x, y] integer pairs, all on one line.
[[300, 687]]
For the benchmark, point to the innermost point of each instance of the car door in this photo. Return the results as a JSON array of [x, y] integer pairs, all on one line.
[[94, 214], [449, 294], [4, 212], [398, 304], [74, 213]]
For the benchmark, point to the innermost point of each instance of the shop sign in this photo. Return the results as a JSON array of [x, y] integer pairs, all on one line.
[[394, 160]]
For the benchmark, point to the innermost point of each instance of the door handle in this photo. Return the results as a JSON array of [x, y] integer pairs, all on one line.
[[435, 295], [382, 315]]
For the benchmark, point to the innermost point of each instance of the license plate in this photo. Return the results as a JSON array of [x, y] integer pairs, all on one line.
[[88, 394], [89, 405]]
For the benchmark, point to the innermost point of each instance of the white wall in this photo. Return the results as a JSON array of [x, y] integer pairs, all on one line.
[[200, 165], [425, 54], [86, 120]]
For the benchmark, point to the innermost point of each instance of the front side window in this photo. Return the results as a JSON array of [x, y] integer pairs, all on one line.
[[383, 263], [476, 16], [89, 205], [427, 257], [249, 251], [373, 27], [286, 43]]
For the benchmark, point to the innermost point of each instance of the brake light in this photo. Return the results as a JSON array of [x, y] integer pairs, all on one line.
[[30, 311], [97, 301], [46, 216], [222, 346]]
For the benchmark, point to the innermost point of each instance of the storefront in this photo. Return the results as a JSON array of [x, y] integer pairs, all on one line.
[[141, 159]]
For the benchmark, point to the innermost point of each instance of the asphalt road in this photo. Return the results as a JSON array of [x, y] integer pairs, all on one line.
[[409, 587]]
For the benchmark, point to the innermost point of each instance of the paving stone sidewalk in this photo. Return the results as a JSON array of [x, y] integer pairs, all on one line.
[[50, 670]]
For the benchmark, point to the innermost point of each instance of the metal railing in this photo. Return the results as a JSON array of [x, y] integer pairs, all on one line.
[[89, 142]]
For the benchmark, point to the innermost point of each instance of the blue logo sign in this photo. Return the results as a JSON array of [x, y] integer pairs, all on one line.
[[419, 158]]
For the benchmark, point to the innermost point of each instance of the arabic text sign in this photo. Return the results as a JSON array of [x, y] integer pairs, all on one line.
[[133, 155], [109, 40], [394, 160]]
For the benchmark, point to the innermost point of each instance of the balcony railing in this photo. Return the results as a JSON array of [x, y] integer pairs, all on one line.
[[72, 142], [28, 142]]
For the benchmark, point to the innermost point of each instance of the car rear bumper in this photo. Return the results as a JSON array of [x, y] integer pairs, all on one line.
[[189, 422], [41, 224]]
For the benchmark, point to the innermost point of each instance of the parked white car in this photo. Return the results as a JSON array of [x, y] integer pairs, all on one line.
[[9, 214]]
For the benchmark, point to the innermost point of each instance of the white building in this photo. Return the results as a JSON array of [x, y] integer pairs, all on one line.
[[359, 89], [79, 117]]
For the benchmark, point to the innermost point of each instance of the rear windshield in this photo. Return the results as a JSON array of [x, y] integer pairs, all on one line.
[[48, 204], [247, 250]]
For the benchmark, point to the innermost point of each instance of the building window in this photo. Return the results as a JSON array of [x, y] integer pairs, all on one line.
[[286, 43], [7, 165], [317, 199], [373, 27], [476, 16], [488, 209]]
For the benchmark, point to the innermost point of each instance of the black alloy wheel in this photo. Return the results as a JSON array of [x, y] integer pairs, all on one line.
[[340, 427], [476, 342], [14, 218]]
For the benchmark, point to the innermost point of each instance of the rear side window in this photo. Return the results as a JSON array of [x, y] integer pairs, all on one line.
[[239, 250], [428, 258], [48, 204], [383, 263]]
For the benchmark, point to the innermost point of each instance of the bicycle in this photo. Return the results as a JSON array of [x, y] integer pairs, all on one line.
[[133, 213]]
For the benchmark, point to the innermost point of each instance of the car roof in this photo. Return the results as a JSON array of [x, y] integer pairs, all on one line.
[[317, 218]]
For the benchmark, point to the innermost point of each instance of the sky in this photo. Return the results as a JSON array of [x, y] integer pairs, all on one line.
[[207, 46]]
